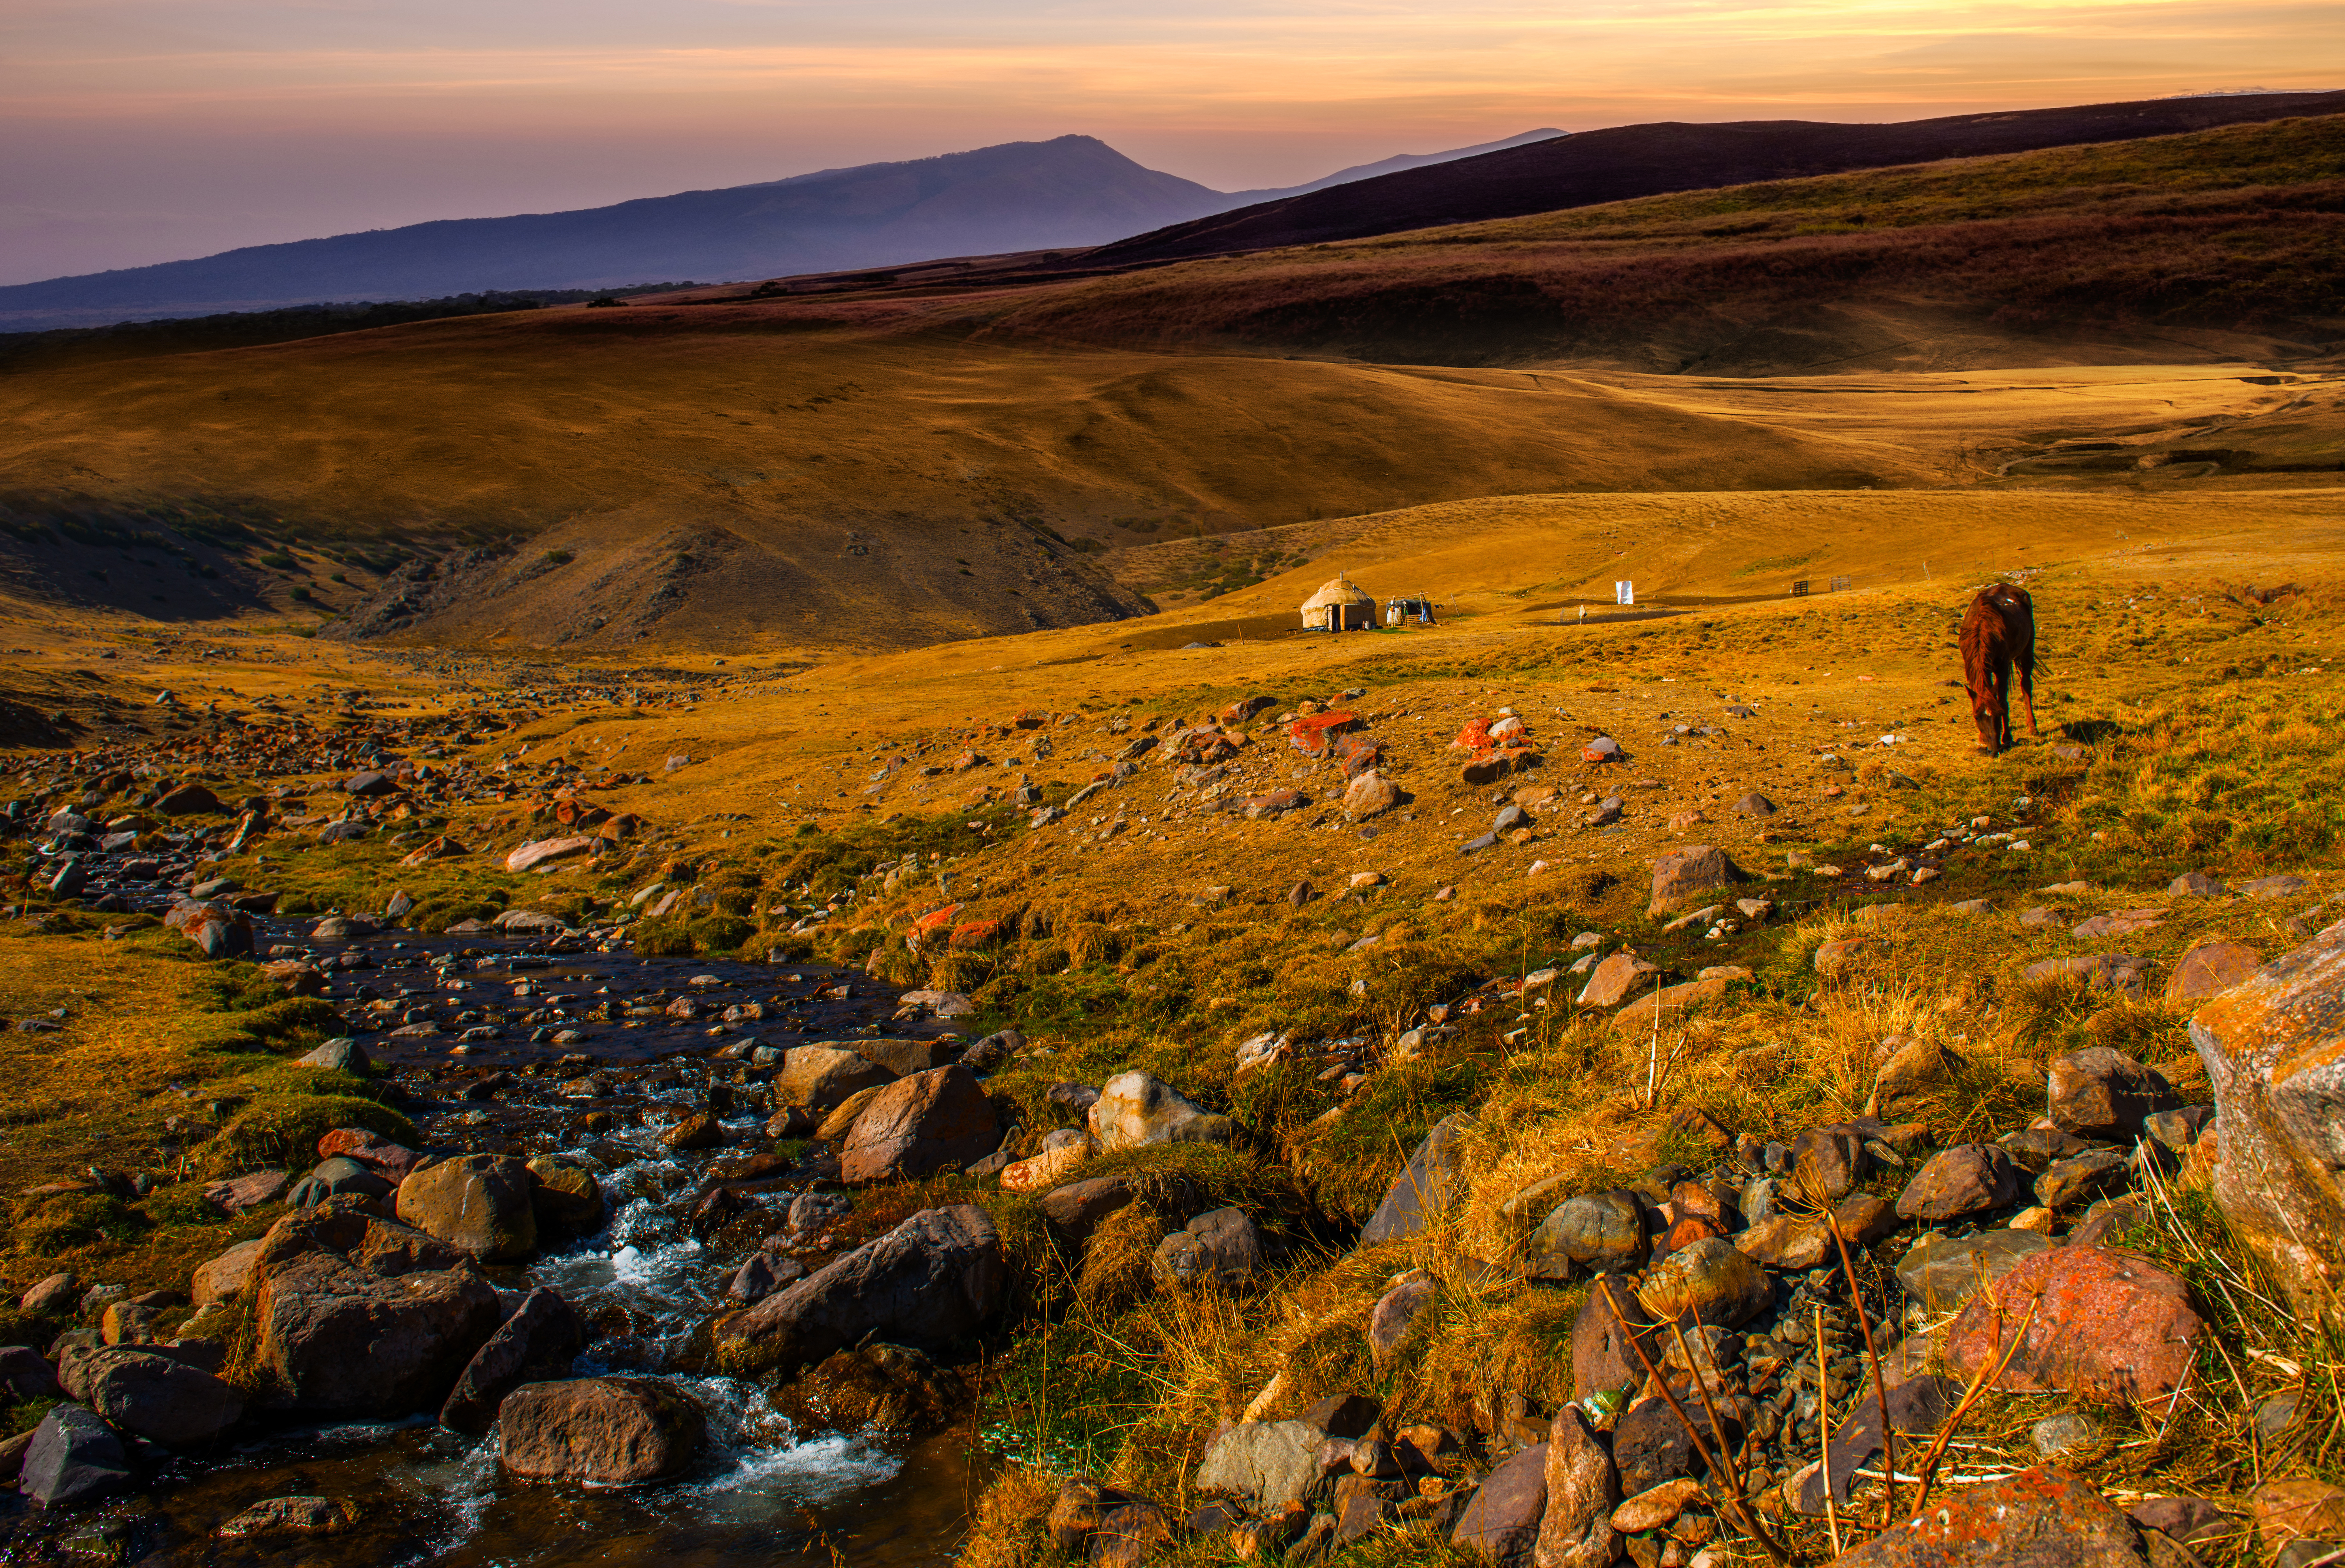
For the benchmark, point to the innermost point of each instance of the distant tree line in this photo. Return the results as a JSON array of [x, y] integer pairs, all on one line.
[[250, 329]]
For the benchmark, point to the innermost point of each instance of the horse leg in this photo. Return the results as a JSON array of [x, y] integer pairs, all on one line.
[[2027, 689], [2002, 705]]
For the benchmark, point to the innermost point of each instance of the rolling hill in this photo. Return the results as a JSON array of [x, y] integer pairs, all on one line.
[[899, 462], [1626, 161]]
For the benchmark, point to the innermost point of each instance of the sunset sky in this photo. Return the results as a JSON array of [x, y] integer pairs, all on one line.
[[149, 130]]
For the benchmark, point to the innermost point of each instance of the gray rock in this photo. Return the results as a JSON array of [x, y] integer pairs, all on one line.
[[1754, 804], [2196, 884], [1220, 1247], [2275, 888], [1395, 1312], [1271, 1463], [1942, 1272], [2100, 1093], [1600, 1233], [933, 1280], [1969, 1178], [1426, 1189], [2096, 1173], [159, 1398], [1583, 1488], [2268, 1047], [2033, 1149], [1710, 1282], [75, 1456], [536, 1344], [2178, 1129], [1501, 1522], [1683, 875], [339, 1056], [2067, 1433]]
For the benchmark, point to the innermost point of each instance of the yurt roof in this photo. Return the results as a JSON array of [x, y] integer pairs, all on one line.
[[1340, 589]]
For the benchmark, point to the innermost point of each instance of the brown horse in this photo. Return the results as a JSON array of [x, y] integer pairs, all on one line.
[[1997, 632]]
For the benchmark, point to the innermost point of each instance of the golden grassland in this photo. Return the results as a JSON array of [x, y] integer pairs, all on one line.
[[2185, 644]]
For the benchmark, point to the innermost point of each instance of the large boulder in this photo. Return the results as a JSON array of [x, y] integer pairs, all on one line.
[[1134, 1109], [360, 1316], [565, 1198], [2040, 1518], [1684, 876], [479, 1203], [602, 1432], [932, 1279], [159, 1398], [74, 1457], [2100, 1093], [820, 1077], [1427, 1188], [2087, 1320], [2271, 1047], [917, 1125], [536, 1344]]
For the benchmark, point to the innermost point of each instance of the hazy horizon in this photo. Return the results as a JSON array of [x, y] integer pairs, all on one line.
[[144, 133]]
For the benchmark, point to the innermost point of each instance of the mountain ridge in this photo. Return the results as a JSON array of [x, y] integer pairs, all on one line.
[[1071, 191]]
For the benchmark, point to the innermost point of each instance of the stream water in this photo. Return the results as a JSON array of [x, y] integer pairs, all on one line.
[[762, 1490]]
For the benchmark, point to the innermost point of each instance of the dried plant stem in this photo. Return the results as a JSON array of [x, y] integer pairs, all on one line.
[[1880, 1387], [1823, 1431], [1929, 1467], [1739, 1504]]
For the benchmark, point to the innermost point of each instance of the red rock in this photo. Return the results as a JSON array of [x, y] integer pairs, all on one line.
[[379, 1155], [920, 1124], [2040, 1518], [2107, 1325], [975, 933], [1310, 733]]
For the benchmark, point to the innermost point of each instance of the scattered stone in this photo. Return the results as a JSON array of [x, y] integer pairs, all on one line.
[[2276, 887], [1220, 1247], [1682, 875], [1599, 1232], [362, 1316], [2067, 1433], [1074, 1208], [1969, 1178], [602, 1432], [339, 1056], [2268, 1048], [2122, 922], [2040, 1518], [2096, 1173], [1827, 1162], [1917, 1406], [1839, 954], [251, 1190], [54, 1294], [1270, 1463], [290, 1516], [1395, 1313], [2107, 1326], [159, 1398], [1583, 1498], [1370, 795], [2287, 1512], [821, 1078], [1135, 1110], [1616, 979], [2101, 971], [1710, 1282], [1942, 1272], [2196, 885], [2099, 1093]]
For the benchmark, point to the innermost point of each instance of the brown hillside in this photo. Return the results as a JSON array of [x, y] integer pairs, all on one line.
[[757, 473]]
